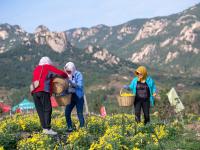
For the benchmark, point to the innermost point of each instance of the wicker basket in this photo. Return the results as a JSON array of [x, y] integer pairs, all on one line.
[[125, 100], [59, 85]]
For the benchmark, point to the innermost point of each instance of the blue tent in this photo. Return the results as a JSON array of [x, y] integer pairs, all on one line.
[[24, 105]]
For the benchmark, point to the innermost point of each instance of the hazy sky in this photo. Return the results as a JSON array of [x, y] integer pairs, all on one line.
[[60, 15]]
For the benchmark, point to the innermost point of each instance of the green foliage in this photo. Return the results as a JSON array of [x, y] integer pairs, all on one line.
[[9, 140], [97, 99], [17, 95], [96, 126], [191, 100], [189, 142]]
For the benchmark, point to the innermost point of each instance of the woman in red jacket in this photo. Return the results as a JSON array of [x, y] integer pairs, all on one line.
[[44, 72]]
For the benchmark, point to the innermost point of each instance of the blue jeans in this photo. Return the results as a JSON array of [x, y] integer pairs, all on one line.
[[78, 102]]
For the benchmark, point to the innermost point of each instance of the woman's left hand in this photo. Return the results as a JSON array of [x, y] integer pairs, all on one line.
[[154, 94]]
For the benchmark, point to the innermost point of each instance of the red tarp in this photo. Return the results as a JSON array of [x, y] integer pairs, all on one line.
[[53, 102], [4, 107]]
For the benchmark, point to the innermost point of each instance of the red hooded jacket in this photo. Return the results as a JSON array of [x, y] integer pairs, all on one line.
[[47, 74]]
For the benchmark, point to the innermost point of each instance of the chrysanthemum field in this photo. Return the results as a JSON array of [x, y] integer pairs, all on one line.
[[114, 132]]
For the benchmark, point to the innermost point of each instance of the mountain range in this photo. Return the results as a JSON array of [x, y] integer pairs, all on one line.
[[168, 45], [170, 42]]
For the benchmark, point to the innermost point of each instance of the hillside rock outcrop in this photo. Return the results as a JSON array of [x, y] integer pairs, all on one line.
[[151, 28], [104, 55], [3, 34], [56, 40], [144, 55]]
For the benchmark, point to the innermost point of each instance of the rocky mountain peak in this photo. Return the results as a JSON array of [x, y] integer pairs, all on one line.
[[41, 28], [83, 34], [100, 26], [56, 40]]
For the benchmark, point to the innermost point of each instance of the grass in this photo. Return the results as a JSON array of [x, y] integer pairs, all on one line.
[[185, 141]]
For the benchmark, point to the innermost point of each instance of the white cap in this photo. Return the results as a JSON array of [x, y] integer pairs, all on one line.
[[45, 61]]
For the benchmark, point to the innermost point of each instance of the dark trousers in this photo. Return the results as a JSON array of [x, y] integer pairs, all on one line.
[[44, 108], [78, 102], [145, 105]]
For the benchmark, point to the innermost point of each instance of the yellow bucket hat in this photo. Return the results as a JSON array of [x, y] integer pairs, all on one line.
[[141, 70]]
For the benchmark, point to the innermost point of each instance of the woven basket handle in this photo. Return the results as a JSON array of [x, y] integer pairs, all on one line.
[[122, 91]]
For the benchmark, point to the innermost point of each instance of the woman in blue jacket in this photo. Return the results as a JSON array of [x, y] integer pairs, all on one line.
[[144, 89], [77, 90]]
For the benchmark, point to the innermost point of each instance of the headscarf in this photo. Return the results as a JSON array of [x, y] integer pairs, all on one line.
[[45, 61], [143, 71], [70, 67]]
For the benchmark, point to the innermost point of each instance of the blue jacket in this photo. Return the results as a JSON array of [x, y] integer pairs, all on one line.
[[78, 79], [151, 85]]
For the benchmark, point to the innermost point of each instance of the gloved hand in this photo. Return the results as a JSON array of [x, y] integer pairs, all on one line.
[[126, 87], [72, 83]]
